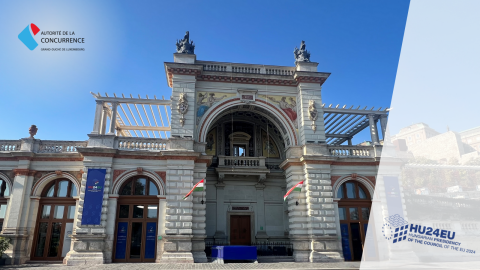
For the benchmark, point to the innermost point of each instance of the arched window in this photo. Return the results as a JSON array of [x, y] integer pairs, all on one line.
[[352, 190], [55, 219], [60, 188], [141, 185], [4, 192]]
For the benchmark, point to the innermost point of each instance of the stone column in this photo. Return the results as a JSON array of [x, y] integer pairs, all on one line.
[[110, 229], [89, 241], [98, 117], [103, 125], [162, 208], [178, 226], [220, 234], [307, 92], [320, 213], [15, 226], [261, 234], [337, 221], [383, 124], [373, 129], [297, 218], [113, 119], [199, 212]]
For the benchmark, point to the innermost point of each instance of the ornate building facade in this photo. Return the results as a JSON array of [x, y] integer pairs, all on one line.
[[251, 131]]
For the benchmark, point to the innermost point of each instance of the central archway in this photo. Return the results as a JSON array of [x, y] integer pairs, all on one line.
[[274, 114]]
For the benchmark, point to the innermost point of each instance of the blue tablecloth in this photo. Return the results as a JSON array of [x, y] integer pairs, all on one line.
[[234, 253]]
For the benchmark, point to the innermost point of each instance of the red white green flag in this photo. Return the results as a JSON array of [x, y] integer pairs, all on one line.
[[296, 188], [198, 187]]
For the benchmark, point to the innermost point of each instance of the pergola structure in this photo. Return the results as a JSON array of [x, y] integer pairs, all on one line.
[[132, 117], [341, 124]]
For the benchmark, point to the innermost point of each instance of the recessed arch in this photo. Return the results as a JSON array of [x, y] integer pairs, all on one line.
[[128, 174], [361, 179], [46, 179], [222, 107]]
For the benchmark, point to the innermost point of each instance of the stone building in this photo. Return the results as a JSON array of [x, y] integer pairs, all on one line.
[[251, 131]]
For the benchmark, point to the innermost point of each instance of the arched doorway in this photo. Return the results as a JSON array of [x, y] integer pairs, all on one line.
[[136, 221], [55, 221], [354, 211]]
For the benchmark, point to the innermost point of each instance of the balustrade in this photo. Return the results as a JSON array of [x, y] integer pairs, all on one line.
[[350, 151], [10, 145], [60, 146], [229, 161], [131, 143]]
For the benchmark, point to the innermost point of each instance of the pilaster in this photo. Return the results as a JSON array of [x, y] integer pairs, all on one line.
[[199, 212], [261, 233], [179, 213], [220, 234]]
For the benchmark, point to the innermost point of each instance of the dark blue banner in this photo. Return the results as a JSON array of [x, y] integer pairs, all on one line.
[[392, 193], [92, 205], [121, 247], [151, 240]]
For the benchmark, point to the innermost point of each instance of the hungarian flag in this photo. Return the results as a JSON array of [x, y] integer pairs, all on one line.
[[198, 187], [297, 187]]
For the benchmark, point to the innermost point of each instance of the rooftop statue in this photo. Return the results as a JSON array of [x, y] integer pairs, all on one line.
[[301, 55], [185, 45]]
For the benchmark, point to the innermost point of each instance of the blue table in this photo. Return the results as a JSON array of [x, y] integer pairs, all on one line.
[[221, 253]]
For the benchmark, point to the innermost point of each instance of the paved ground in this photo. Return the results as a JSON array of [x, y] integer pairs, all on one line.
[[146, 266]]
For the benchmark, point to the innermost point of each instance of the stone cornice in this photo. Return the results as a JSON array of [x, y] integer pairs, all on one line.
[[327, 160]]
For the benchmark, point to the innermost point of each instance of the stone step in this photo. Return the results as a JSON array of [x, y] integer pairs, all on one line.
[[273, 259]]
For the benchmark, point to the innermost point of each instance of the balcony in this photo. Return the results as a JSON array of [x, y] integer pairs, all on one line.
[[355, 151], [241, 162], [41, 146]]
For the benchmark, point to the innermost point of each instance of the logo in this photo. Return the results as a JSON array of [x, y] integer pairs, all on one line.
[[96, 187], [395, 227], [27, 38]]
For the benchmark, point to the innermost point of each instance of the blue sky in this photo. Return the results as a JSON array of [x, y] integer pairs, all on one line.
[[126, 43]]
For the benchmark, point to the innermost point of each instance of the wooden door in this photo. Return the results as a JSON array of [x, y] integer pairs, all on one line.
[[240, 233]]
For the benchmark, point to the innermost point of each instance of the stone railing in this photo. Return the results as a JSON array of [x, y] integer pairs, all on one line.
[[351, 151], [149, 144], [249, 69], [60, 146], [10, 145], [229, 161]]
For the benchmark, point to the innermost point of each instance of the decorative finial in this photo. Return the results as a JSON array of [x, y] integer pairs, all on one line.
[[185, 45], [301, 55], [32, 131]]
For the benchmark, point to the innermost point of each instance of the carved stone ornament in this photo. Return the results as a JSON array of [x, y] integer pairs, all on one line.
[[185, 45], [312, 114], [301, 55], [247, 96], [32, 131], [139, 170], [182, 107]]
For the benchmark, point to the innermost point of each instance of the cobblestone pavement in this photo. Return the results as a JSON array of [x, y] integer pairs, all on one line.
[[146, 266]]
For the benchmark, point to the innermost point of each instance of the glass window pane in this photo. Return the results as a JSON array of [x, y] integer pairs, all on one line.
[[42, 238], [340, 192], [342, 213], [138, 211], [46, 211], [140, 186], [58, 211], [152, 211], [54, 239], [152, 189], [50, 191], [127, 189], [73, 190], [362, 193], [3, 209], [350, 190], [124, 209], [4, 189], [71, 212], [136, 242], [62, 188], [353, 213], [365, 213]]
